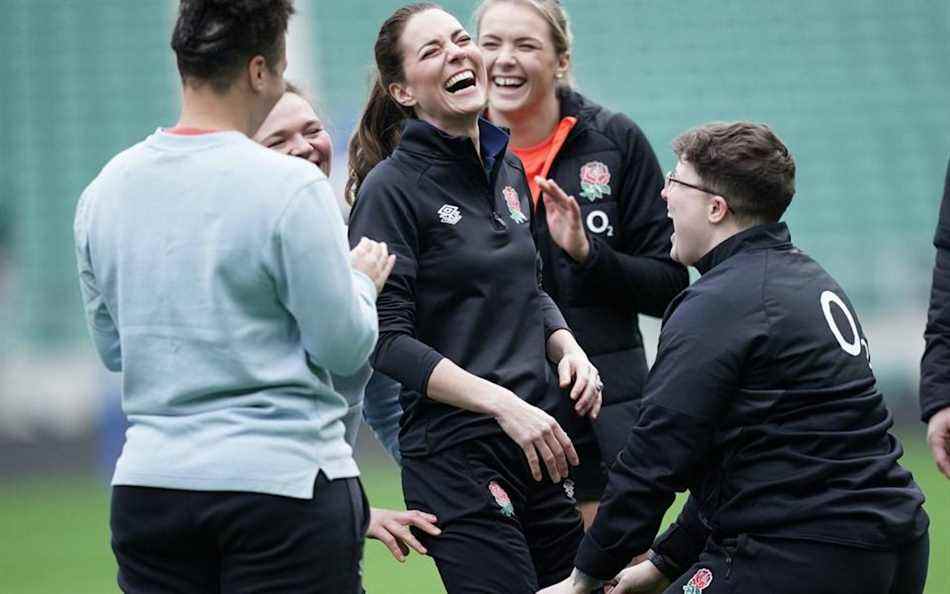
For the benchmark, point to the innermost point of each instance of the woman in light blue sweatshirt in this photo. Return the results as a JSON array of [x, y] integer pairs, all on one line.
[[216, 277]]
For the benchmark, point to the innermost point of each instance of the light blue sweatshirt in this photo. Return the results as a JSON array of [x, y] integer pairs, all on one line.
[[215, 276]]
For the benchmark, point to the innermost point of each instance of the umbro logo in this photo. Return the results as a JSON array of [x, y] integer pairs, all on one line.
[[450, 214]]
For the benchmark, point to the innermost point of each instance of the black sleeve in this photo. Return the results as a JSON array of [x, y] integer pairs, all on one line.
[[641, 272], [553, 319], [935, 364], [383, 212], [681, 543], [697, 369]]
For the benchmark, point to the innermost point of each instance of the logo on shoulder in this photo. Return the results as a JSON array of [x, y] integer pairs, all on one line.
[[595, 181], [449, 214], [514, 205], [699, 582]]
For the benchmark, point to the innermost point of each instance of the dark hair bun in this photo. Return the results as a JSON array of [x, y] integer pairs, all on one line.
[[214, 38]]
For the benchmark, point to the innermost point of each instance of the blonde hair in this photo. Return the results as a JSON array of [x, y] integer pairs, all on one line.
[[559, 25]]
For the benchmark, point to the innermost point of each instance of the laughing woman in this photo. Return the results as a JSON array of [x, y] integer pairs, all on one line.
[[464, 326], [605, 252]]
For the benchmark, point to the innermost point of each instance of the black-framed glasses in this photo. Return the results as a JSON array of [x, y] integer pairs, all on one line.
[[670, 178]]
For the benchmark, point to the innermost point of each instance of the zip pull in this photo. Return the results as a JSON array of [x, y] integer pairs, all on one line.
[[499, 221]]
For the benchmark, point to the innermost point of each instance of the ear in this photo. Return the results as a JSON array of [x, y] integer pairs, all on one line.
[[257, 73], [402, 94], [563, 65], [718, 209]]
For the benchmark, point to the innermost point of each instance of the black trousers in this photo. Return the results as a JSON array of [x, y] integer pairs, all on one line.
[[755, 565], [502, 531], [208, 542]]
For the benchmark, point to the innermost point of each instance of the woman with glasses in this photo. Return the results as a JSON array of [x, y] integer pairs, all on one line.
[[604, 239]]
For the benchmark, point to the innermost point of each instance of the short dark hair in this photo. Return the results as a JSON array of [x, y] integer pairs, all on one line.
[[745, 163], [214, 39]]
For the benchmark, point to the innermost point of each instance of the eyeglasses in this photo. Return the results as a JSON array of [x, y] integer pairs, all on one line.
[[670, 178]]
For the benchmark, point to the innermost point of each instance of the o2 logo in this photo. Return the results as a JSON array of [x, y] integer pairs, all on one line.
[[598, 222], [854, 346]]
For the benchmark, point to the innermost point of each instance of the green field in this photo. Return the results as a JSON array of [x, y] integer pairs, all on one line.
[[55, 535]]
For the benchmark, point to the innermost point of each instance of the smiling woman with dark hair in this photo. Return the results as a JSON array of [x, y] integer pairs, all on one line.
[[464, 326]]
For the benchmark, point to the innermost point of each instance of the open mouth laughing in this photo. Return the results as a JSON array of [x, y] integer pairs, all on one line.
[[460, 81]]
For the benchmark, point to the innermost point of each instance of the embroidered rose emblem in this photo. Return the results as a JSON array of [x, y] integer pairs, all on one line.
[[700, 580], [514, 204], [502, 499], [595, 181]]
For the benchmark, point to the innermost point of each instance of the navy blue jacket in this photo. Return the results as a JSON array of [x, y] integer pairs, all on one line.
[[935, 365], [466, 280], [762, 403]]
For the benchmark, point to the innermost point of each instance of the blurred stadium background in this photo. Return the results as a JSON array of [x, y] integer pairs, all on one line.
[[859, 90]]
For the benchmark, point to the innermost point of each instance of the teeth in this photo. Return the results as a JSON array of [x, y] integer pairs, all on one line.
[[507, 81], [459, 77]]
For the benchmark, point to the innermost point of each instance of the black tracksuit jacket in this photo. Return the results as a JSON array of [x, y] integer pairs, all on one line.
[[629, 270], [935, 365], [466, 280], [761, 403]]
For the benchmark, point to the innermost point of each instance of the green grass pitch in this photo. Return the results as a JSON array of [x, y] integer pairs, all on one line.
[[54, 536]]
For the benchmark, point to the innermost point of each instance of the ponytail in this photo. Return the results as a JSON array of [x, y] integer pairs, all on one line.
[[376, 136], [380, 126]]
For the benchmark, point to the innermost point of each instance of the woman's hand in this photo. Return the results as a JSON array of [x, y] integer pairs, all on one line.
[[573, 367], [391, 528], [587, 391], [373, 259], [538, 434], [576, 583], [535, 431], [642, 578], [564, 220]]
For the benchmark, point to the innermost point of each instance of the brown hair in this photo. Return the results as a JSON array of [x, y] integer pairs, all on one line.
[[559, 25], [295, 89], [298, 90], [745, 163], [380, 125]]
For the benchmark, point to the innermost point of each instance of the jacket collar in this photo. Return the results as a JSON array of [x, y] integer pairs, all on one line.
[[577, 106], [422, 137], [772, 235]]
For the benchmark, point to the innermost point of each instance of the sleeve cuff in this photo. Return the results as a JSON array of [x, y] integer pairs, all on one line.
[[407, 361], [596, 562], [665, 565], [365, 285], [931, 409], [593, 256]]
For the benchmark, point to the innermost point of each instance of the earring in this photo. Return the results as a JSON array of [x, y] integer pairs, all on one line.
[[559, 75]]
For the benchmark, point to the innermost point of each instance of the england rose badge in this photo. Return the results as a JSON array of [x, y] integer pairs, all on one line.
[[502, 499], [595, 181], [699, 582], [514, 205]]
